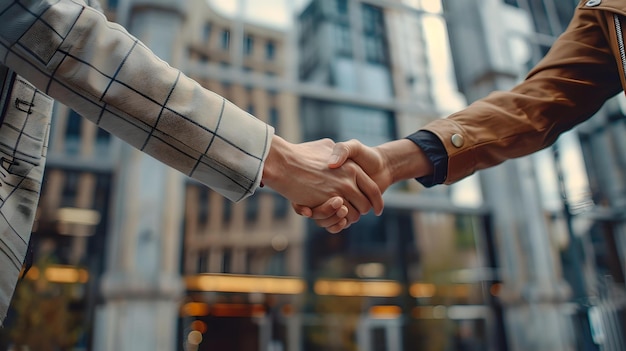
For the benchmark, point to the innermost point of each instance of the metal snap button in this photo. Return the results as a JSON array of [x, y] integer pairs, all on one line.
[[593, 3], [457, 140]]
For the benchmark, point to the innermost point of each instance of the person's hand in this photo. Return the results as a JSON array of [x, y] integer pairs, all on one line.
[[385, 164], [370, 159], [300, 173], [330, 215]]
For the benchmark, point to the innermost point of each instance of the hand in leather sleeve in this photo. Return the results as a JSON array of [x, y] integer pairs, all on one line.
[[386, 164]]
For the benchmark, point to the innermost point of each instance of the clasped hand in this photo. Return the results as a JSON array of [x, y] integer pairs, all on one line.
[[334, 184], [335, 196]]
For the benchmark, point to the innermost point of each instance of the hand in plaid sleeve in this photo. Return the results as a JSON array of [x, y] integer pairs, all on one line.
[[300, 173]]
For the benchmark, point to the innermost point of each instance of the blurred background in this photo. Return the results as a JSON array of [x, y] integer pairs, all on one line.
[[529, 255]]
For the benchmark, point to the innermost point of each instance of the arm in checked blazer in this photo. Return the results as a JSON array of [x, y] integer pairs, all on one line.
[[68, 51], [73, 54]]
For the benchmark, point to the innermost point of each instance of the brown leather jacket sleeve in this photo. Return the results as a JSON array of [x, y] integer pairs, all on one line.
[[567, 87]]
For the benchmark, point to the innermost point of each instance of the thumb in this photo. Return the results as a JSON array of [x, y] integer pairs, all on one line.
[[303, 211], [341, 153]]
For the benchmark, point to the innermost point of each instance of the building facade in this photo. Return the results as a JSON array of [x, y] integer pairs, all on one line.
[[237, 248], [435, 272], [560, 255], [419, 276]]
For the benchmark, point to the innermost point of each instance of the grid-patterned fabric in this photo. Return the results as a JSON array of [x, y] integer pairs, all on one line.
[[70, 51], [95, 67], [23, 145]]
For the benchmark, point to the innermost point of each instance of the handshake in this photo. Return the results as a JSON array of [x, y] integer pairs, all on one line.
[[336, 183]]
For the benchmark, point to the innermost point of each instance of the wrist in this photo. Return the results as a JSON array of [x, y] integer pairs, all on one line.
[[275, 161], [405, 160]]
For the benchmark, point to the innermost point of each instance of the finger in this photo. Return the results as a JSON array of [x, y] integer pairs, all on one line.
[[342, 212], [303, 211], [351, 190], [372, 191], [334, 219], [328, 209], [336, 228], [341, 152], [353, 214]]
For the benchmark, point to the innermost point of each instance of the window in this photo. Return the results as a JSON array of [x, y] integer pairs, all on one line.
[[103, 142], [252, 208], [372, 20], [74, 123], [342, 7], [72, 133], [225, 44], [202, 265], [248, 45], [281, 207], [206, 32], [270, 50], [344, 41], [228, 210], [70, 188], [274, 117], [375, 50], [112, 4], [103, 136], [227, 257], [203, 205]]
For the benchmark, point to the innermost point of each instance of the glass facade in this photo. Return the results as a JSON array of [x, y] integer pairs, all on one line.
[[579, 189]]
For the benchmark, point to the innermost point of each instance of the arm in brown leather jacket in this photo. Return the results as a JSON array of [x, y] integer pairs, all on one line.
[[580, 72], [568, 86]]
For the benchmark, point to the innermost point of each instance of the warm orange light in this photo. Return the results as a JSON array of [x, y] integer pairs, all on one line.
[[78, 216], [379, 288], [385, 312], [195, 309], [426, 290], [429, 312], [495, 289], [60, 274], [287, 310], [246, 284], [33, 273], [462, 290], [422, 290], [237, 310], [199, 326]]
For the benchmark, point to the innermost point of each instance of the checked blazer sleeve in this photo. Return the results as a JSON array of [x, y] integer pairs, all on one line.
[[72, 53]]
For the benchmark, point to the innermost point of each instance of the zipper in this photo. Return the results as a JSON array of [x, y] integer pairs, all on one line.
[[620, 43]]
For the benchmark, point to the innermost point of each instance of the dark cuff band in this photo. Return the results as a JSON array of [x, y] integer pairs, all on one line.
[[436, 153]]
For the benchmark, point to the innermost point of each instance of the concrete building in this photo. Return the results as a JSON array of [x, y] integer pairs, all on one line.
[[248, 244], [196, 272]]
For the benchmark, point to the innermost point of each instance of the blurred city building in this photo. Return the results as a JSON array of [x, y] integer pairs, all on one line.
[[245, 247], [529, 255]]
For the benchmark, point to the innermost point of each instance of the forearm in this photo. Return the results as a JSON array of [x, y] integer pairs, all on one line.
[[95, 67], [404, 160]]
